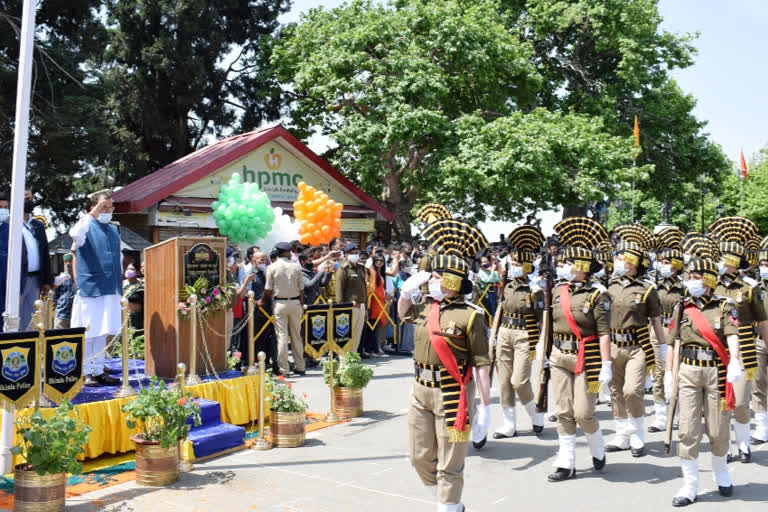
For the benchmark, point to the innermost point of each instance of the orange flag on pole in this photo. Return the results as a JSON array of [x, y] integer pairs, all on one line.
[[636, 132], [743, 166]]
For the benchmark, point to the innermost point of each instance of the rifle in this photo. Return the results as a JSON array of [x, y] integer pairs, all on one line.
[[542, 396], [495, 325], [675, 381]]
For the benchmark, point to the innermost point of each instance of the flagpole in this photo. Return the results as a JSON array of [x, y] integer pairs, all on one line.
[[741, 194], [20, 139], [632, 208]]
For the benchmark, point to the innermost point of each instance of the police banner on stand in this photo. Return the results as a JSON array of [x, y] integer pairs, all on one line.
[[327, 327], [64, 350], [19, 374], [341, 327]]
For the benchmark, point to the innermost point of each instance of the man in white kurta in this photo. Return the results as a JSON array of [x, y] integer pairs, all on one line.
[[99, 282]]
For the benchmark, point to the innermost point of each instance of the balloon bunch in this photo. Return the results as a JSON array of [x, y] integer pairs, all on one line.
[[243, 212], [284, 229], [320, 217]]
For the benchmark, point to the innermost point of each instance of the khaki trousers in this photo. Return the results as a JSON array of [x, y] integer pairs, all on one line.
[[742, 391], [287, 316], [627, 385], [760, 387], [513, 366], [574, 404], [358, 322], [436, 460], [658, 371], [698, 393]]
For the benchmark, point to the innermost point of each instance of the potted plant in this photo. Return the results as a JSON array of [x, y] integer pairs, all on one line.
[[160, 413], [49, 449], [287, 423], [350, 376]]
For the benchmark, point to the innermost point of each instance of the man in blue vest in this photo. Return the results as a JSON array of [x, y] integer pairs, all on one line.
[[99, 284]]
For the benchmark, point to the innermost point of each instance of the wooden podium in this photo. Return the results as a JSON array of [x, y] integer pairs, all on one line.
[[167, 336]]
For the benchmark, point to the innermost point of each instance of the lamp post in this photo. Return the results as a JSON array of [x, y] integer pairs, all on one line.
[[666, 210], [702, 181], [618, 203], [688, 212], [719, 209]]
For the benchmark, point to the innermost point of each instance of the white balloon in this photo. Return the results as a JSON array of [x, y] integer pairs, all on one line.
[[284, 229]]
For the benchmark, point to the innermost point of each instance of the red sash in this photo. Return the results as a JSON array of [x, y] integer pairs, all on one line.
[[709, 335], [448, 360], [565, 308]]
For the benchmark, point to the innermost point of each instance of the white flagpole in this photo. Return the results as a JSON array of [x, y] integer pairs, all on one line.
[[21, 135]]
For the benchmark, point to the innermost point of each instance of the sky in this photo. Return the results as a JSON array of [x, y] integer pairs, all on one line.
[[729, 78]]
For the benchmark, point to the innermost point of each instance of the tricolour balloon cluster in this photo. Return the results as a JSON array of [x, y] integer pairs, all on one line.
[[284, 229], [243, 212], [320, 216]]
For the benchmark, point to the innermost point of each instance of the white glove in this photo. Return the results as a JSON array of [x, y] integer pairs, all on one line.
[[606, 373], [735, 373], [481, 423], [410, 288], [667, 384]]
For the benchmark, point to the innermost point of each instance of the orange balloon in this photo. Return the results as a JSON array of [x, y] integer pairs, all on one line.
[[298, 205], [325, 230], [302, 185], [337, 223]]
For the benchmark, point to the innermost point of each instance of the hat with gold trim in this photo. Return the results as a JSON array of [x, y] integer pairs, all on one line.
[[704, 253], [430, 212], [636, 241], [525, 240], [579, 236], [762, 254], [732, 234], [604, 254], [708, 270], [668, 246], [456, 242], [753, 248]]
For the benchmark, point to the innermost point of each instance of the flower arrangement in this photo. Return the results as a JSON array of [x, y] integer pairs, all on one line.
[[233, 359], [282, 396], [209, 299], [160, 412], [351, 372]]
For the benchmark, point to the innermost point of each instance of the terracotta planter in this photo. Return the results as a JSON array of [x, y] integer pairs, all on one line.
[[36, 493], [348, 402], [155, 466], [287, 429]]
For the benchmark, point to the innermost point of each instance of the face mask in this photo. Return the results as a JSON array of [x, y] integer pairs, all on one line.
[[104, 218], [764, 273], [435, 291], [618, 268], [29, 205], [353, 258], [230, 261], [721, 267], [515, 272], [262, 267], [565, 272], [600, 273], [686, 258], [486, 265], [695, 287], [665, 270], [4, 214], [130, 274]]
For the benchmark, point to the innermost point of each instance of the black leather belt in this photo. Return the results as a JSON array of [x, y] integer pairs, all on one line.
[[513, 322], [426, 373], [698, 354], [286, 298]]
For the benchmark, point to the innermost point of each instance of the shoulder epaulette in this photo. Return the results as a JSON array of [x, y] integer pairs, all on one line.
[[594, 296], [648, 292], [751, 282], [600, 287]]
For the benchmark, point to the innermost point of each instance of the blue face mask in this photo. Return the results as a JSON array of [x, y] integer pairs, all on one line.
[[4, 214], [515, 272], [665, 270]]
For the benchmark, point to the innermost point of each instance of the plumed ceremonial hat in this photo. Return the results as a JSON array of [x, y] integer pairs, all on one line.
[[708, 270], [700, 246], [579, 236], [456, 242], [762, 254], [430, 212], [636, 241], [525, 240], [752, 250], [668, 245], [733, 233], [603, 253]]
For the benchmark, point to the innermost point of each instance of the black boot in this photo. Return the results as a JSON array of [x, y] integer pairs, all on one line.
[[681, 501], [561, 474], [725, 491], [598, 464]]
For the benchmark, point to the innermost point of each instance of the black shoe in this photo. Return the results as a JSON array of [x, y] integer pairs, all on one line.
[[300, 372], [725, 491], [480, 444], [90, 381], [652, 429], [107, 380], [499, 435], [561, 474], [553, 418], [744, 458], [756, 442], [598, 464], [638, 452], [538, 429], [682, 501], [611, 448], [648, 391]]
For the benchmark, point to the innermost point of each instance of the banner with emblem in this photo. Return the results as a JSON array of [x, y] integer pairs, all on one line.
[[64, 350], [327, 327], [20, 370], [341, 327]]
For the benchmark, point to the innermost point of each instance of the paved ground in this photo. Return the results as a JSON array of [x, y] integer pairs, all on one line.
[[362, 466]]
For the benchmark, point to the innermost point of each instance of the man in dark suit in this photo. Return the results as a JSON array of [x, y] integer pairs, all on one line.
[[36, 274], [267, 342]]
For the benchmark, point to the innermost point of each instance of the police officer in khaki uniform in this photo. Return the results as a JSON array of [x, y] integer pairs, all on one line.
[[581, 354], [709, 348], [450, 354], [518, 333], [760, 389], [669, 286], [285, 285], [732, 233], [634, 304], [351, 287]]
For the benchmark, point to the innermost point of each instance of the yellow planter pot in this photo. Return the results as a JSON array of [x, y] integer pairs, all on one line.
[[287, 429], [348, 402], [38, 493]]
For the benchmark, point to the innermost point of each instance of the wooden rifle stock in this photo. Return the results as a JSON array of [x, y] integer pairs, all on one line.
[[675, 383], [492, 340], [542, 395]]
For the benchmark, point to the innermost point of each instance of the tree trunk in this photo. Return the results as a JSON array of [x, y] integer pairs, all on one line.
[[574, 211], [399, 203]]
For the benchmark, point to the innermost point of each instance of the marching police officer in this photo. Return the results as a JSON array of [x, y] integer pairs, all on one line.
[[760, 391]]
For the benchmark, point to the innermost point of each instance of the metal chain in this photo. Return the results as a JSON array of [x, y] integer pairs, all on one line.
[[207, 359], [243, 323]]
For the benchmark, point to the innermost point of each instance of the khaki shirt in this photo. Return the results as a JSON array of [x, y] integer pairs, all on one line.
[[519, 299], [764, 294], [590, 306], [633, 302], [284, 279], [456, 317], [670, 291], [350, 283], [746, 298], [721, 316]]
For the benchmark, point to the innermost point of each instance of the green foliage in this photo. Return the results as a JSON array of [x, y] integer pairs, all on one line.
[[233, 359], [282, 397], [350, 373], [160, 412], [209, 299], [135, 345], [755, 205], [52, 446]]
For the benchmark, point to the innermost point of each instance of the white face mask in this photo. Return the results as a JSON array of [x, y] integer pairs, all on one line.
[[618, 268], [764, 273], [262, 267], [435, 291], [600, 273], [665, 270], [4, 214], [352, 258], [565, 272], [695, 287], [515, 272], [721, 267], [104, 218]]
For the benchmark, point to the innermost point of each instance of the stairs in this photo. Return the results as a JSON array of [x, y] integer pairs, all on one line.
[[212, 436]]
